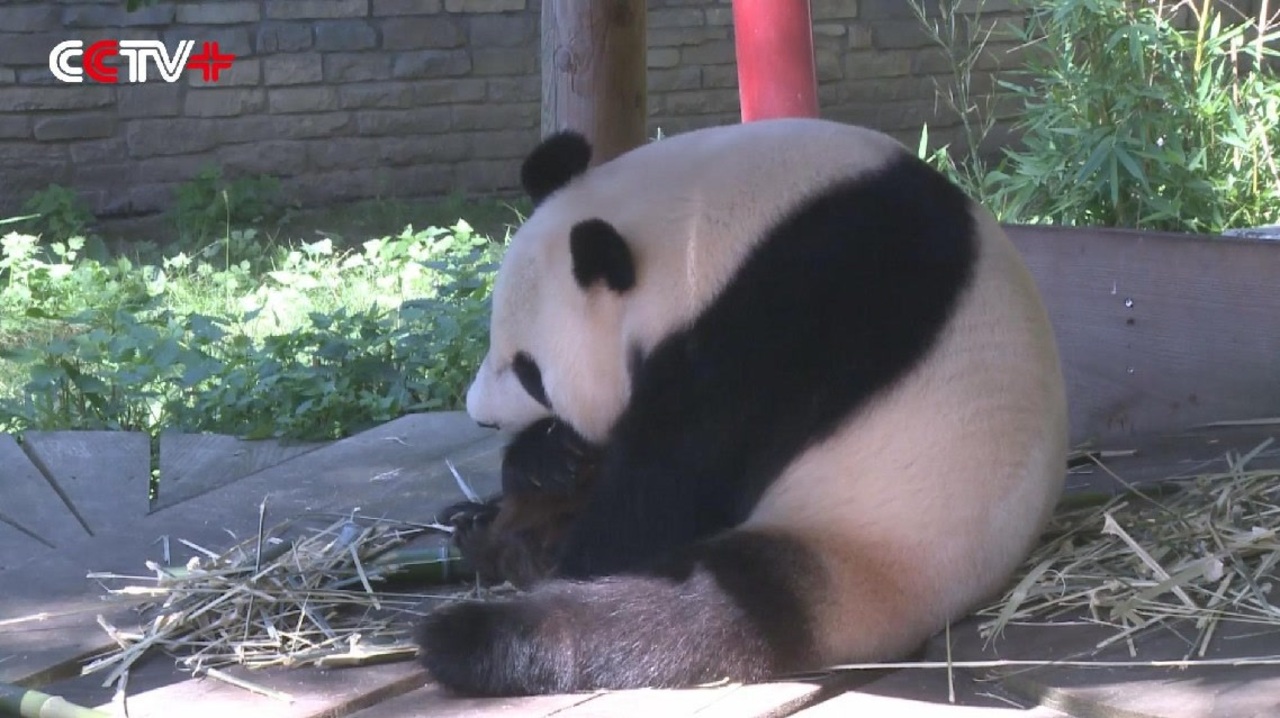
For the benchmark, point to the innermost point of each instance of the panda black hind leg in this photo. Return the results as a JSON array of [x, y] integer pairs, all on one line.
[[731, 607]]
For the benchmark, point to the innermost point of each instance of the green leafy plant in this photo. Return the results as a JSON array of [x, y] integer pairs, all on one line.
[[311, 341], [1135, 119], [59, 213], [210, 205], [1160, 115]]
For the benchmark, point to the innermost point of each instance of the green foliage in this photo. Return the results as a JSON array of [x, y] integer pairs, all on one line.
[[1133, 121], [320, 344], [59, 212], [209, 205], [1133, 116]]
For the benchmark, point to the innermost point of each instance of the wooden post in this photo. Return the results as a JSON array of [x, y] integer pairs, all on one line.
[[773, 40], [593, 72]]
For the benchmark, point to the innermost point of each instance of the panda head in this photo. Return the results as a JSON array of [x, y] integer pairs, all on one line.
[[554, 347]]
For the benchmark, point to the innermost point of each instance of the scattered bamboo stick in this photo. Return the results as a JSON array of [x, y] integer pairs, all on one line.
[[1199, 548], [22, 702]]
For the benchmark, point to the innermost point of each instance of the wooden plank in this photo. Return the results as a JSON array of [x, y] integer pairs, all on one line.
[[104, 474], [193, 464], [737, 701], [924, 692], [432, 701], [395, 470], [29, 500], [17, 546], [864, 704], [156, 690], [1159, 331]]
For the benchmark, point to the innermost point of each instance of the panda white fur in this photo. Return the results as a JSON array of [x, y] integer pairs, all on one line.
[[827, 393]]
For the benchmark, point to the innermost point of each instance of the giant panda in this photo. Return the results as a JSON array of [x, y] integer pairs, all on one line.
[[826, 395]]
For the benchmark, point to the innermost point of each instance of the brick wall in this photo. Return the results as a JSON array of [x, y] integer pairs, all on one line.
[[348, 99]]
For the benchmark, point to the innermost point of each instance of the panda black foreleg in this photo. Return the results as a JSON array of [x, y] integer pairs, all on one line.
[[736, 606]]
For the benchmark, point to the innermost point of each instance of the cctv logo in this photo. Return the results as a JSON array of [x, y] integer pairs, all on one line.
[[139, 56]]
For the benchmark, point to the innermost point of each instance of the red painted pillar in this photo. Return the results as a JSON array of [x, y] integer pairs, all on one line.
[[776, 72]]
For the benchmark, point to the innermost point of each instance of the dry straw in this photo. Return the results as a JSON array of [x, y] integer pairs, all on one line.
[[1197, 548], [312, 599]]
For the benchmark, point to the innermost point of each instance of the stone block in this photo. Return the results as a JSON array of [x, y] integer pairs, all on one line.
[[28, 49], [316, 9], [840, 9], [384, 8], [451, 147], [223, 102], [293, 69], [58, 97], [15, 127], [487, 175], [114, 15], [503, 30], [478, 6], [413, 121], [356, 66], [513, 89], [701, 102], [878, 63], [676, 17], [75, 127], [682, 36], [345, 35], [662, 57], [219, 12], [678, 78], [284, 37], [715, 52], [341, 153], [172, 136], [504, 61], [431, 63], [39, 17], [149, 100], [112, 149], [500, 144], [278, 158], [417, 33], [285, 100], [496, 117], [898, 34], [720, 76]]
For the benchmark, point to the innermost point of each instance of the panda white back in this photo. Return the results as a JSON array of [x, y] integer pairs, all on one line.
[[828, 398]]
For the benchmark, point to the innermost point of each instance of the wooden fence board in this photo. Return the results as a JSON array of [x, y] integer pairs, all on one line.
[[193, 464], [27, 499], [1159, 331], [105, 474], [395, 470]]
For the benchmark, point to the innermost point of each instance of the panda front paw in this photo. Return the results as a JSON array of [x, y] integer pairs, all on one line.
[[496, 648]]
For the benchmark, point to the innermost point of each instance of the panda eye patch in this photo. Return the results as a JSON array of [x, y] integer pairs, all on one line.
[[530, 377]]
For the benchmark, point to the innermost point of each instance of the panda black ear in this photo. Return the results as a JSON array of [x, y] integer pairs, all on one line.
[[600, 253], [556, 160]]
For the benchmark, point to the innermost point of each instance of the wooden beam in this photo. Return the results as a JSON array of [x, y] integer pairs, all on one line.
[[593, 72]]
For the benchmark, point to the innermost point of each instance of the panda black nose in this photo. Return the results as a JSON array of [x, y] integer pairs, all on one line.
[[487, 426]]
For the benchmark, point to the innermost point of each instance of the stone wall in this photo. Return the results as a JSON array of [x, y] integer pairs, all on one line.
[[347, 99]]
